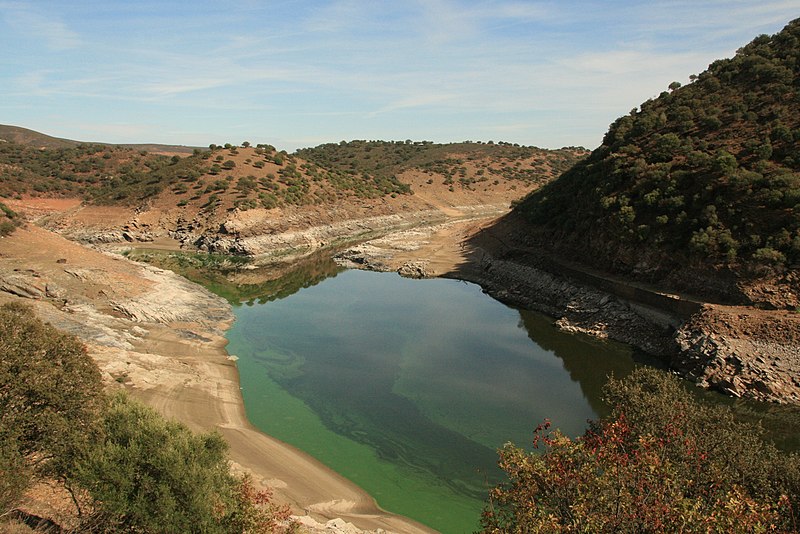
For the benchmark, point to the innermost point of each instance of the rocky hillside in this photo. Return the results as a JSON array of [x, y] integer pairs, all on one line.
[[699, 188]]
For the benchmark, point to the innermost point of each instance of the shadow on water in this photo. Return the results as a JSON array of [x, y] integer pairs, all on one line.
[[586, 358], [781, 422]]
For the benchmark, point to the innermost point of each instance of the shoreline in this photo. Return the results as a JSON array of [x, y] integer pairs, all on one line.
[[739, 351], [161, 337]]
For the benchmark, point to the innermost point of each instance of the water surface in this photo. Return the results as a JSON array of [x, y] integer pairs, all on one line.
[[408, 387]]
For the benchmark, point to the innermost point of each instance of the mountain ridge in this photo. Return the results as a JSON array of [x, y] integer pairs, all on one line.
[[26, 136]]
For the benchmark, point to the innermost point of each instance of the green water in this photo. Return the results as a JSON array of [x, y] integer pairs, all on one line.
[[408, 387]]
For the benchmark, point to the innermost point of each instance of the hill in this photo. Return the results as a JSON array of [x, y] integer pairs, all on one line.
[[214, 198], [36, 164], [24, 136], [467, 163], [697, 189]]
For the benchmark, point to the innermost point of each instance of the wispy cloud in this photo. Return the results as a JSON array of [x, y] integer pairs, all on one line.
[[538, 70], [414, 101], [45, 26]]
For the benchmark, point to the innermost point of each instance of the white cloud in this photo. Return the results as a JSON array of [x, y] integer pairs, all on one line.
[[415, 101], [46, 26]]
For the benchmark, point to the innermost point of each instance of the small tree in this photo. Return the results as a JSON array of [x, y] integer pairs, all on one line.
[[50, 398], [154, 475]]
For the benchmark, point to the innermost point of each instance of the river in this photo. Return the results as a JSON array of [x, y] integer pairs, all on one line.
[[408, 387]]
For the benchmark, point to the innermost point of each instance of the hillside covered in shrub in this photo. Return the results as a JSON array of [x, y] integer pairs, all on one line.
[[466, 163], [225, 177], [704, 178]]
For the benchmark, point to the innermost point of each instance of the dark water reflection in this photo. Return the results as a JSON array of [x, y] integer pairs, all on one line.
[[585, 358]]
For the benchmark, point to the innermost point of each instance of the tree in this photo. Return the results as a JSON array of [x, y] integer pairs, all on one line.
[[142, 473], [149, 474], [660, 463], [50, 398], [154, 475]]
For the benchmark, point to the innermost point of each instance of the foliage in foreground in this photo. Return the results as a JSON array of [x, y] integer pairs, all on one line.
[[50, 401], [127, 468], [660, 463], [154, 475]]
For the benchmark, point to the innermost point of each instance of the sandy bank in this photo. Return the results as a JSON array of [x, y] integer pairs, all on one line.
[[161, 338]]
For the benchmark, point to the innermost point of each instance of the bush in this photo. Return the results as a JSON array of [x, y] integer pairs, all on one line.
[[660, 462], [141, 472], [9, 220], [7, 228], [50, 398], [152, 475]]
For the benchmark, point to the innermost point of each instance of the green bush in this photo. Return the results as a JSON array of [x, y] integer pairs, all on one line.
[[50, 398], [660, 462], [152, 475], [141, 472]]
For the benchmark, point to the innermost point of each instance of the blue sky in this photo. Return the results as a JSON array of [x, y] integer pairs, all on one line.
[[301, 73]]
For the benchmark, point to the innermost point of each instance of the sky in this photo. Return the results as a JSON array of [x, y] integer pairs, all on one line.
[[302, 73]]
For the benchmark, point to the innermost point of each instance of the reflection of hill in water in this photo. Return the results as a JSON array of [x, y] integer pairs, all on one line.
[[275, 282], [231, 278], [589, 361]]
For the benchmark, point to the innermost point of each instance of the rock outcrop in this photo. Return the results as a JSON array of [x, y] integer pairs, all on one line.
[[717, 349]]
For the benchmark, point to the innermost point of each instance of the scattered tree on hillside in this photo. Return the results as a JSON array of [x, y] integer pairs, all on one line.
[[708, 173]]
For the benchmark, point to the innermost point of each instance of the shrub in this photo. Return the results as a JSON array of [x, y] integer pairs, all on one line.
[[660, 462], [50, 397], [141, 472], [152, 475]]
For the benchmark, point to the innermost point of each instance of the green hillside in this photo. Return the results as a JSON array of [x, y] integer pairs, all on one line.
[[467, 162], [704, 177], [99, 172]]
